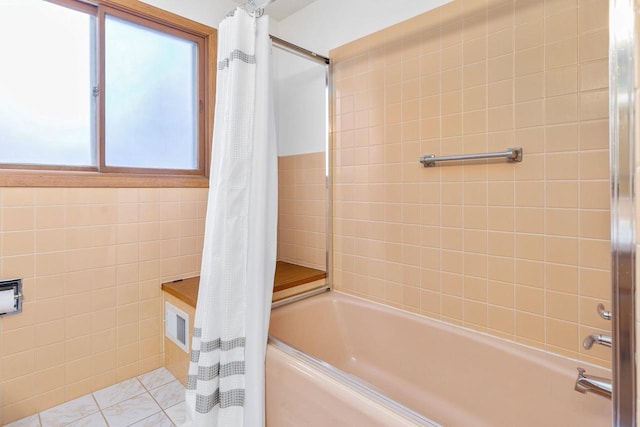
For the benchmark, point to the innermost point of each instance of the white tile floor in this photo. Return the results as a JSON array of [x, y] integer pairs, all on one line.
[[154, 399]]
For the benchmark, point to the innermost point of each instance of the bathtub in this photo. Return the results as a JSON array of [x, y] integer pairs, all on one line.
[[338, 360]]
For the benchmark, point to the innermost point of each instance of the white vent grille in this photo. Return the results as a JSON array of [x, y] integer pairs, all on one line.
[[176, 324]]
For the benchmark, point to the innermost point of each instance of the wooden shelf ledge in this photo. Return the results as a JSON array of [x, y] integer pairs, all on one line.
[[287, 276]]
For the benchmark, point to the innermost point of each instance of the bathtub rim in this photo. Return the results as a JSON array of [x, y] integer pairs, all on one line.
[[454, 327], [534, 354], [350, 382], [301, 296]]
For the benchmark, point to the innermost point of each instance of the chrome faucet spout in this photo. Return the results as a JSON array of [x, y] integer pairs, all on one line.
[[588, 383], [596, 338]]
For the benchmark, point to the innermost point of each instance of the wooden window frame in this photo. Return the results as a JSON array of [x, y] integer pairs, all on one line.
[[101, 175]]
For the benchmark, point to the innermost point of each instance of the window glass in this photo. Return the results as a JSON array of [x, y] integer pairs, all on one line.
[[150, 98], [46, 82]]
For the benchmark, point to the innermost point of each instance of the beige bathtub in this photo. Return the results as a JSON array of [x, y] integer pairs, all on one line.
[[448, 374]]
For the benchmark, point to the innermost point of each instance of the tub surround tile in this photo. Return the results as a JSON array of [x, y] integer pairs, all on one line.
[[169, 395], [302, 213], [158, 420], [178, 413], [119, 392], [69, 412], [131, 411], [157, 378], [524, 89]]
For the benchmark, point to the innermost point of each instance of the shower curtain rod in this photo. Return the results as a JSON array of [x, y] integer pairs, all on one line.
[[299, 50], [251, 7]]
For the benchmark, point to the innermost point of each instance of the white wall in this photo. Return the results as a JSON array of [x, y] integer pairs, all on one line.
[[208, 12], [319, 27], [300, 104], [327, 24], [299, 84]]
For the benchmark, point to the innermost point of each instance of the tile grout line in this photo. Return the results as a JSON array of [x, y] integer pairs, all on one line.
[[146, 391]]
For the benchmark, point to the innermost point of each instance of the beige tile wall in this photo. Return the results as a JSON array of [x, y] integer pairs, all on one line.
[[92, 261], [302, 219], [520, 251]]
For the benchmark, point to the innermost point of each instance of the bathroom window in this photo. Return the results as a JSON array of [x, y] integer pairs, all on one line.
[[45, 97], [114, 91], [155, 73]]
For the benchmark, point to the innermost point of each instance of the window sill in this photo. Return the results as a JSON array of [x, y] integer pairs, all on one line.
[[41, 178]]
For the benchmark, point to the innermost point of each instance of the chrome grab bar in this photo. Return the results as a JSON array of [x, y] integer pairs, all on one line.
[[588, 383], [513, 154]]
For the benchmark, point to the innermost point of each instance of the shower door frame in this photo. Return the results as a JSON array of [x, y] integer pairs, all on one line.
[[292, 48], [622, 69]]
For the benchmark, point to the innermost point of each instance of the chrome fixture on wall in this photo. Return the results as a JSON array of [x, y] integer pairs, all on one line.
[[591, 384], [605, 314], [10, 297], [604, 340], [511, 154], [253, 7], [587, 383]]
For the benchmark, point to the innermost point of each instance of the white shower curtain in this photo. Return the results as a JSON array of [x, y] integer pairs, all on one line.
[[225, 385]]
